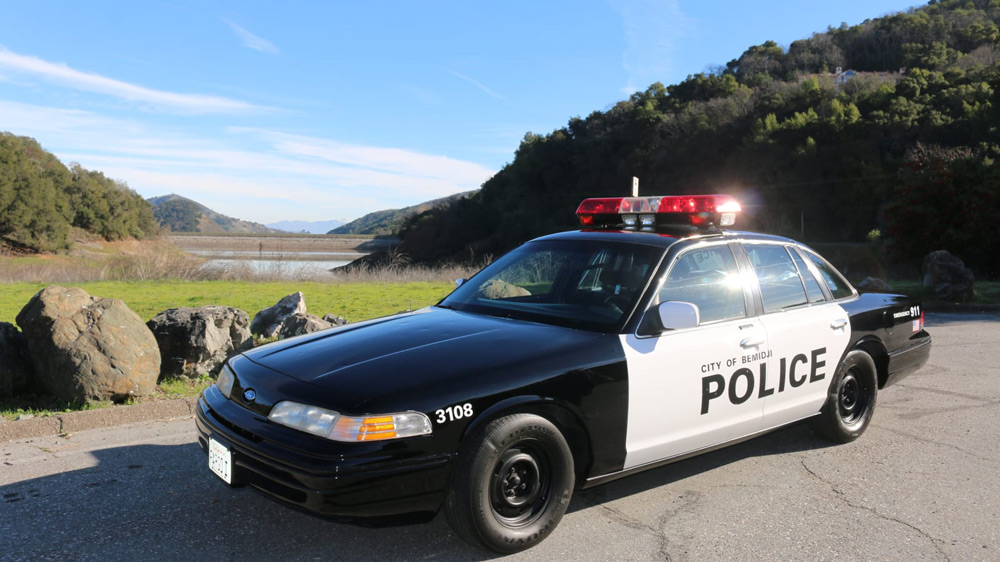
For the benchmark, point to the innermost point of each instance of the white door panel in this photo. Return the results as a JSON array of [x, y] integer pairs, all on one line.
[[807, 344], [691, 389]]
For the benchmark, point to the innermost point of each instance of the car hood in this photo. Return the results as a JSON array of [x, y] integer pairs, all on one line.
[[409, 353]]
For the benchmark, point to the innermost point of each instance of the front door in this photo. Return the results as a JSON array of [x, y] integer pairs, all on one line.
[[691, 389]]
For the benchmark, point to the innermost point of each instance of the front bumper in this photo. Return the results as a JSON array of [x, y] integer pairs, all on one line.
[[335, 486]]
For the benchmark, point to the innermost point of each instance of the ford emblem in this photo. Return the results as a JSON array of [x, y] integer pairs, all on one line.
[[249, 395]]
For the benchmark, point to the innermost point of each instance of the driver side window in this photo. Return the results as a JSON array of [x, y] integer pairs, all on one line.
[[710, 279]]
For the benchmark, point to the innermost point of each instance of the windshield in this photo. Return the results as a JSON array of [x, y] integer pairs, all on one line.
[[583, 284]]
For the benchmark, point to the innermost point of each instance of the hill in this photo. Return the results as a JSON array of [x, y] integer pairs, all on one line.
[[181, 214], [391, 221], [812, 152], [312, 227], [40, 199]]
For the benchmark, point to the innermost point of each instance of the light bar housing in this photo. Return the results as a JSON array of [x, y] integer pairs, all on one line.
[[699, 211]]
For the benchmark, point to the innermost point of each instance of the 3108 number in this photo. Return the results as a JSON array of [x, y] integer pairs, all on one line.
[[453, 413]]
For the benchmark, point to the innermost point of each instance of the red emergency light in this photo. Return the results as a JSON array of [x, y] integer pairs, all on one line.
[[702, 211]]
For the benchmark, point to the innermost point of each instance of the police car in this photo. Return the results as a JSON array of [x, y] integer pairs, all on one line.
[[652, 335]]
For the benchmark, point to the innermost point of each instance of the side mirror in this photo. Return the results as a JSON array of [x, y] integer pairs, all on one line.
[[677, 315], [458, 282]]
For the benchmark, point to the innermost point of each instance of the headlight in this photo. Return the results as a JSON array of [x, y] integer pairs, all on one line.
[[225, 381], [332, 425]]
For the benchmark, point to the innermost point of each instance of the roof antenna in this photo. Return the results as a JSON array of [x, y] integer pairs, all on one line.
[[635, 186]]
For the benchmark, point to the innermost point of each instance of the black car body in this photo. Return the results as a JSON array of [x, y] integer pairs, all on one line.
[[588, 366]]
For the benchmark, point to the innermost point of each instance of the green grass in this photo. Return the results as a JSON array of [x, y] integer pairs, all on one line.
[[182, 388], [354, 301], [44, 406], [987, 292]]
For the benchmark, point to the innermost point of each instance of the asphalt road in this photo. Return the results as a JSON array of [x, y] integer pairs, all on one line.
[[922, 484]]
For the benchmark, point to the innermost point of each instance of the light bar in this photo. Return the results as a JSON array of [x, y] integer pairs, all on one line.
[[671, 210]]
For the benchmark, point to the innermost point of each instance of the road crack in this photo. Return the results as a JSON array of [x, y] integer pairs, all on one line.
[[932, 442], [656, 530], [935, 542]]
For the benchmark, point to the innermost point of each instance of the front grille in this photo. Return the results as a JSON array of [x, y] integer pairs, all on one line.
[[235, 428]]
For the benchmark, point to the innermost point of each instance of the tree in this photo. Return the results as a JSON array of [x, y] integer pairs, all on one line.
[[947, 199]]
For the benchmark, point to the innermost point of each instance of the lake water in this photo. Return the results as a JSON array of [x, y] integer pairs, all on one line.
[[281, 264]]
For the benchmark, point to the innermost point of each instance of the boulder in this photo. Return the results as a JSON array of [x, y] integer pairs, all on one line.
[[267, 322], [948, 277], [15, 363], [873, 285], [335, 320], [497, 289], [88, 348], [193, 341], [303, 323]]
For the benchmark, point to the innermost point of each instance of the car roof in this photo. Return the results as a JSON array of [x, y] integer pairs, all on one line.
[[661, 239]]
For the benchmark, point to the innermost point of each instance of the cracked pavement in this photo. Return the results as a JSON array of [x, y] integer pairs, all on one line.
[[923, 483]]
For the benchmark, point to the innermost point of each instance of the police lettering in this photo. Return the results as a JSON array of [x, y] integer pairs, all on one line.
[[795, 371]]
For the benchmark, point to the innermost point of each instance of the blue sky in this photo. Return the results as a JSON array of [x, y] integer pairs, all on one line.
[[272, 111]]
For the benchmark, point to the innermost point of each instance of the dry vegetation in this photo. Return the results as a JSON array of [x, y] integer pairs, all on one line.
[[93, 260]]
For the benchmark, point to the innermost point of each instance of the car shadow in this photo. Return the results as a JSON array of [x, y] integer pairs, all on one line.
[[790, 439], [153, 502], [161, 502]]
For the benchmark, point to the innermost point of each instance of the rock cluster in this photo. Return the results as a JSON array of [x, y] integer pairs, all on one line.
[[302, 323], [88, 348], [497, 289], [948, 277], [196, 341], [80, 348], [268, 322], [873, 285], [15, 363]]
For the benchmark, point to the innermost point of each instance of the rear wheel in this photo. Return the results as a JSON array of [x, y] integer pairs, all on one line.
[[851, 401], [512, 484]]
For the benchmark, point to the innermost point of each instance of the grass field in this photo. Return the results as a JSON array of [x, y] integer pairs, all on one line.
[[353, 301]]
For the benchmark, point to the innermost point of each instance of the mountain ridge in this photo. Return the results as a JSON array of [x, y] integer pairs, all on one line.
[[181, 214], [389, 222]]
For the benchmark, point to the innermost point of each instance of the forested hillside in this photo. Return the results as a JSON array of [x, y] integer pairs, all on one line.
[[810, 152], [180, 214], [389, 222], [40, 199]]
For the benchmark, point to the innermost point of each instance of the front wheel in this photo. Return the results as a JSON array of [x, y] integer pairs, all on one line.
[[851, 401], [511, 485]]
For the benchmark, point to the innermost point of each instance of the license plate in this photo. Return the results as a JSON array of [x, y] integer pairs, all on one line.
[[220, 460]]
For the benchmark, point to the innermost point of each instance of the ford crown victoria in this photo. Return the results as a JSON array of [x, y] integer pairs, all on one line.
[[653, 334]]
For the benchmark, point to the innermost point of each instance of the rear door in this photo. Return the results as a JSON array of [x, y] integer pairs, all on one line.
[[807, 333]]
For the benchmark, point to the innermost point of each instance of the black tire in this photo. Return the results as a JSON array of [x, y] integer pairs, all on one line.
[[511, 485], [851, 400]]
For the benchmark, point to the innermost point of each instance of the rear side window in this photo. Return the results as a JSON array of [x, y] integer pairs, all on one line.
[[812, 286], [839, 286], [709, 278], [780, 284]]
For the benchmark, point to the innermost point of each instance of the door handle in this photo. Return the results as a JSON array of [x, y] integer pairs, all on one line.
[[838, 324], [752, 341]]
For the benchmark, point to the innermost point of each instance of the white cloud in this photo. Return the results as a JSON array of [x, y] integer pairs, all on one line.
[[477, 84], [253, 174], [250, 40], [652, 29], [64, 75]]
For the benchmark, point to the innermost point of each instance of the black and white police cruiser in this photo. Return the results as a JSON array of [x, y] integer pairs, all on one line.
[[651, 335]]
